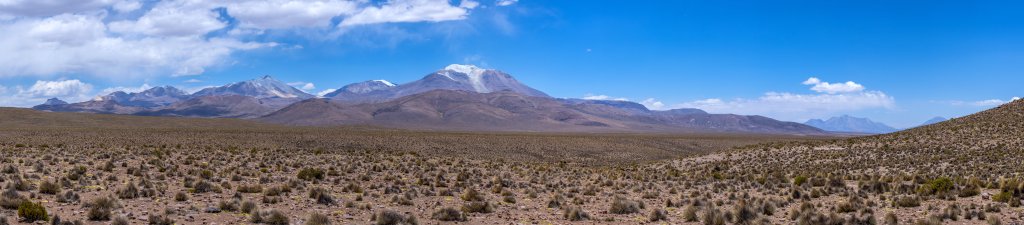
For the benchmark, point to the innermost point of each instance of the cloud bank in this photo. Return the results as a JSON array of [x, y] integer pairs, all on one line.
[[829, 99], [116, 38]]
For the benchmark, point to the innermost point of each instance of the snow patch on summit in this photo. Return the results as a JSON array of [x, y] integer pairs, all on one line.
[[385, 82], [474, 73]]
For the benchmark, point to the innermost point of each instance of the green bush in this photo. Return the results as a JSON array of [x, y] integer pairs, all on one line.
[[311, 174], [1004, 196], [936, 186], [31, 211], [799, 180]]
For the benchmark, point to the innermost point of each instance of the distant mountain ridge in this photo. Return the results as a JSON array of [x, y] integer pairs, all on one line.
[[937, 119], [452, 77], [511, 111], [457, 97], [846, 123]]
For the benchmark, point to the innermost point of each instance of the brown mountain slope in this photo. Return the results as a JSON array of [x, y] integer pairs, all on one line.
[[511, 111], [987, 147]]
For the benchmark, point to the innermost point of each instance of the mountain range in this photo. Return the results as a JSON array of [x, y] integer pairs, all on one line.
[[457, 97], [846, 123]]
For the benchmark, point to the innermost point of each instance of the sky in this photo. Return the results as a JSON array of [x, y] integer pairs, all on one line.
[[897, 62]]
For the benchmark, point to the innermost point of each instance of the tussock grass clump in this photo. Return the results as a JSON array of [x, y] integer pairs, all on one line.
[[311, 174], [478, 207], [621, 205], [690, 214], [321, 196], [100, 208], [318, 219], [181, 196], [575, 213], [49, 187], [388, 217], [448, 214], [658, 215]]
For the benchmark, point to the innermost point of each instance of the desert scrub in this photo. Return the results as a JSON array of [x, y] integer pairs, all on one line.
[[575, 213], [1003, 196], [448, 214], [799, 180], [180, 196], [30, 211], [321, 196], [100, 208], [388, 217], [621, 205], [936, 186], [658, 215], [311, 174], [478, 207], [472, 195], [49, 187], [690, 214], [318, 219]]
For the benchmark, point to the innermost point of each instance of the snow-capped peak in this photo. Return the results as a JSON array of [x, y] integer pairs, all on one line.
[[474, 73], [385, 82]]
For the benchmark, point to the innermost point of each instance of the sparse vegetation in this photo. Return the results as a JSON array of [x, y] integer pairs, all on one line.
[[387, 177]]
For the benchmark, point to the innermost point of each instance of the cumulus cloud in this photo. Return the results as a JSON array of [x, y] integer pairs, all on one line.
[[72, 43], [396, 11], [73, 90], [63, 88], [117, 38], [833, 88], [173, 18], [277, 14]]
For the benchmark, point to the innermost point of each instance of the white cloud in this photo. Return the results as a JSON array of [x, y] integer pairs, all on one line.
[[796, 107], [833, 88], [829, 100], [172, 18], [80, 44], [69, 90], [602, 97], [325, 92], [506, 2], [63, 88], [395, 11], [193, 81], [983, 103], [39, 8], [118, 38], [303, 85], [276, 14], [653, 104]]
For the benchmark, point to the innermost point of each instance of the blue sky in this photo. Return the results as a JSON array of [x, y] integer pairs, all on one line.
[[906, 61]]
